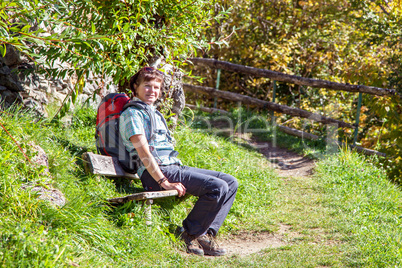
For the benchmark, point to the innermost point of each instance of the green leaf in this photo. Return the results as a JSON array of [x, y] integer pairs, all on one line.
[[63, 4], [3, 24], [26, 28], [108, 39], [12, 4], [3, 32], [73, 96], [93, 27], [125, 27], [86, 43], [14, 29], [3, 50], [99, 44]]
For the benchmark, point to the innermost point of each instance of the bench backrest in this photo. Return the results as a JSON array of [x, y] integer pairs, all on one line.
[[105, 165]]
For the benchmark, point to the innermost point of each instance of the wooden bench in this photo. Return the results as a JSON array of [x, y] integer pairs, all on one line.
[[110, 167]]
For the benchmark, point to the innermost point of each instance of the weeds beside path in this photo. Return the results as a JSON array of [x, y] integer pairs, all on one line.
[[314, 225], [292, 209]]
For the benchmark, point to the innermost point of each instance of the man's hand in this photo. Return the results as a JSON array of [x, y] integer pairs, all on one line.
[[140, 143], [174, 186]]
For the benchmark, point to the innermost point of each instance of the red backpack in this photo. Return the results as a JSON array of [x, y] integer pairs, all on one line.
[[108, 139]]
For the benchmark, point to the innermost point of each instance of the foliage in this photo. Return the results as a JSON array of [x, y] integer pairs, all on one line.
[[356, 42], [85, 38], [378, 22], [329, 39]]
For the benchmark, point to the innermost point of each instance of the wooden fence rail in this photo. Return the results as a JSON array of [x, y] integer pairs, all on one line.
[[293, 79], [265, 105], [277, 76], [295, 132]]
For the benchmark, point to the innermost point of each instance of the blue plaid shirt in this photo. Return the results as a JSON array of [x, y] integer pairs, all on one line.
[[135, 121]]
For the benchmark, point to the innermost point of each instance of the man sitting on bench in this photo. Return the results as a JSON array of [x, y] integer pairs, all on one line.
[[161, 169]]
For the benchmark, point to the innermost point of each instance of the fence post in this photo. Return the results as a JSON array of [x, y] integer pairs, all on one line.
[[273, 121], [359, 105], [218, 78], [273, 100]]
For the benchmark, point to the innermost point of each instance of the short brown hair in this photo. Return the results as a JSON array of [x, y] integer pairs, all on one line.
[[145, 74]]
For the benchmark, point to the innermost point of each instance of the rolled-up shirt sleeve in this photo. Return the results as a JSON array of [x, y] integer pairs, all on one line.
[[130, 124]]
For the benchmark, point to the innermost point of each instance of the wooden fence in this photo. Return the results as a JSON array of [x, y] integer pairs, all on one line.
[[272, 106]]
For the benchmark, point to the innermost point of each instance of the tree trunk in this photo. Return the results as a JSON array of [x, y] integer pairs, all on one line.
[[172, 87]]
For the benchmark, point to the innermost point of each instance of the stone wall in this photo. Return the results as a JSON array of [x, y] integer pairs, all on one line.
[[21, 84], [10, 87]]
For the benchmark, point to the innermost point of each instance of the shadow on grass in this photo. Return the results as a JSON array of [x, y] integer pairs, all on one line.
[[313, 149]]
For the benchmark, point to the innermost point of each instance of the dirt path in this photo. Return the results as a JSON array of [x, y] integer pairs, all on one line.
[[287, 164]]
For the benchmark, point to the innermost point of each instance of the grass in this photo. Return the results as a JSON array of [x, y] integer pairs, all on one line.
[[369, 203], [260, 127], [347, 215], [89, 233]]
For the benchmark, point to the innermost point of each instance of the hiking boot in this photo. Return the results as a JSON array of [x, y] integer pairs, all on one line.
[[192, 244], [210, 246]]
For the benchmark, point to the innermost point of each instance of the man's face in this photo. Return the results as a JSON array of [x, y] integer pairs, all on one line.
[[148, 91]]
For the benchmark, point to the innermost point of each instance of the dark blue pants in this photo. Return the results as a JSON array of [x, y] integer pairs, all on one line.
[[216, 192]]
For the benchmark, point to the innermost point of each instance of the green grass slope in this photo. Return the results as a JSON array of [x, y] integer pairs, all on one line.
[[86, 232], [369, 206]]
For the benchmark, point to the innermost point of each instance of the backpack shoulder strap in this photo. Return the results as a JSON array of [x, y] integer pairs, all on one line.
[[169, 135], [147, 109]]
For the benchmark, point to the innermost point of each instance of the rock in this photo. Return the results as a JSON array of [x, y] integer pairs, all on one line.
[[9, 79], [34, 88], [44, 85], [9, 97], [12, 57], [54, 196], [36, 95], [59, 97], [89, 88], [63, 91], [35, 106], [40, 158], [179, 99], [172, 88]]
